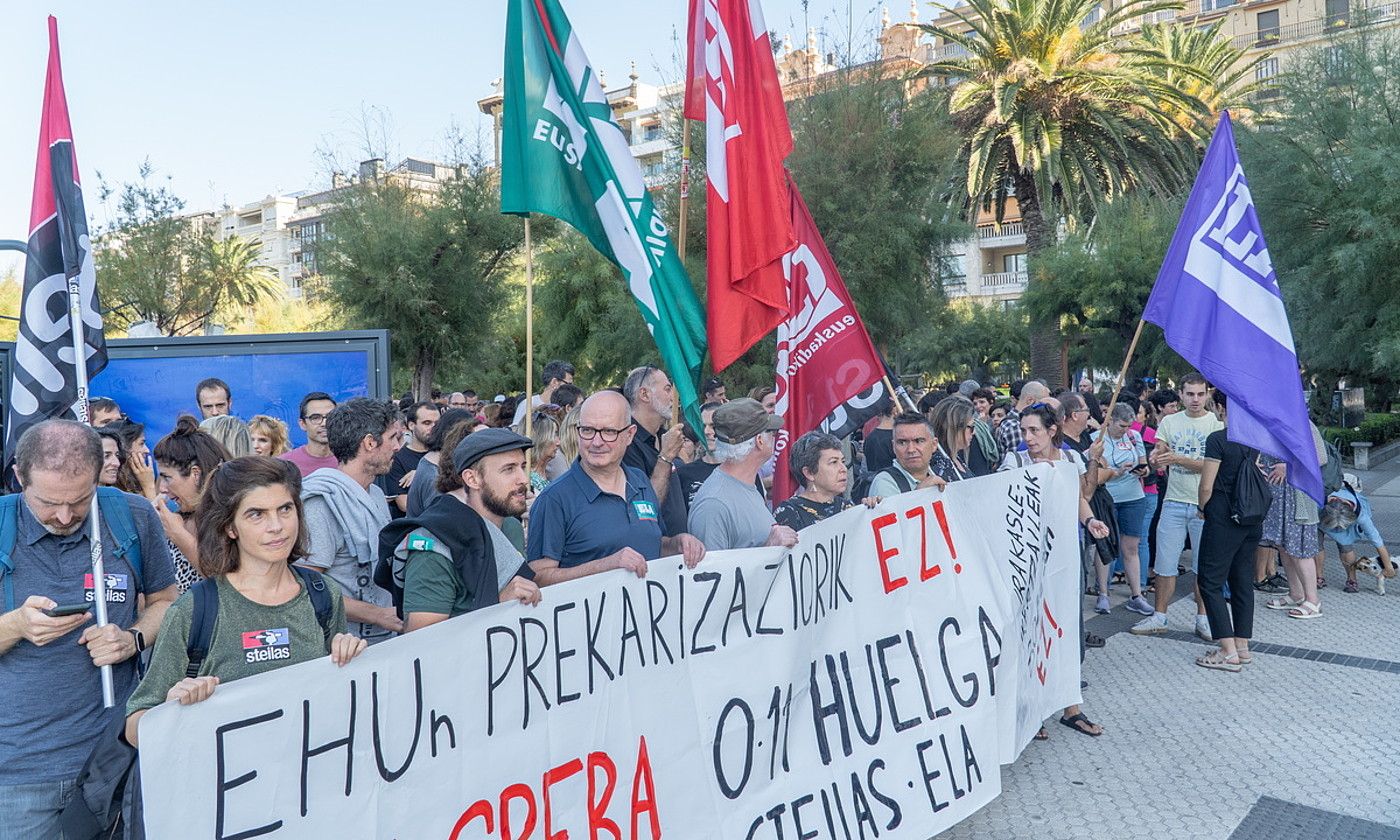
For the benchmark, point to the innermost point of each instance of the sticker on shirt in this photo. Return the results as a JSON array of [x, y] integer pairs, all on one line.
[[116, 588], [267, 645], [421, 543], [646, 511]]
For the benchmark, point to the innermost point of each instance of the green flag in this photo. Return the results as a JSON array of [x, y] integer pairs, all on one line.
[[562, 155]]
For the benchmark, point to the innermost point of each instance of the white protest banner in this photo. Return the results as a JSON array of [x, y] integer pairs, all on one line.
[[870, 681]]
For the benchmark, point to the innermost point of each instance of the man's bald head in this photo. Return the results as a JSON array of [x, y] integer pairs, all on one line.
[[1034, 392], [606, 410]]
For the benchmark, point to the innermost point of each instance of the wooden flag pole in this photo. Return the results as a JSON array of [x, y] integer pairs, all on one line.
[[1123, 371], [685, 187], [529, 339]]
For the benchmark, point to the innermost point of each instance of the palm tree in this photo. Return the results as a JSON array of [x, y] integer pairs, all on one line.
[[1219, 75], [226, 280], [1064, 115]]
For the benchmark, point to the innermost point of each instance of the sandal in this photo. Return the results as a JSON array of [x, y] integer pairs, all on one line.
[[1306, 610], [1351, 587], [1081, 724], [1094, 641], [1216, 660], [1322, 583], [1042, 735], [1283, 603], [1245, 658]]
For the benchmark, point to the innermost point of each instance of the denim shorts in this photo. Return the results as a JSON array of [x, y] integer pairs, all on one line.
[[1178, 519], [1130, 516]]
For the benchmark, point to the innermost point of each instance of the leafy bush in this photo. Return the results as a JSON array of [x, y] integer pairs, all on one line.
[[1376, 429]]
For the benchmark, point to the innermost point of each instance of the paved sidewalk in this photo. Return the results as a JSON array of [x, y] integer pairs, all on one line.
[[1303, 744]]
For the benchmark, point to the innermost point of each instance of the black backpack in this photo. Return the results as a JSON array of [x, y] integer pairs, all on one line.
[[1252, 497], [107, 802]]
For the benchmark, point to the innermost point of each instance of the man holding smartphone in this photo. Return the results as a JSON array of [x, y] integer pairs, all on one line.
[[50, 686]]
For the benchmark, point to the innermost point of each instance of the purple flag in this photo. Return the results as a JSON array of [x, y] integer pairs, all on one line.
[[1218, 301]]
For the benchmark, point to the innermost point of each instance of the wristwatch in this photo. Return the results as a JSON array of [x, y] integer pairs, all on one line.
[[140, 639]]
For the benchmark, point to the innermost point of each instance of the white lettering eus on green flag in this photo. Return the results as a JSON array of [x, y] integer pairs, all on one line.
[[562, 155], [870, 681]]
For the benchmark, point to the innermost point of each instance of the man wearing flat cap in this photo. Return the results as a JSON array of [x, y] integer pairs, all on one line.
[[453, 558], [727, 511]]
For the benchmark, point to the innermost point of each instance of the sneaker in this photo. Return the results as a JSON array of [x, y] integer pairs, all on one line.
[[1153, 624], [1203, 628], [1101, 605], [1140, 606]]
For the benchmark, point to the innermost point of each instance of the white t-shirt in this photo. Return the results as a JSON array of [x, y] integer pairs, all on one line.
[[1016, 459], [1187, 437]]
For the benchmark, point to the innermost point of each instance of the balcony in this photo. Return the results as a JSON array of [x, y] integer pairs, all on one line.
[[1004, 282], [1001, 235], [1317, 27]]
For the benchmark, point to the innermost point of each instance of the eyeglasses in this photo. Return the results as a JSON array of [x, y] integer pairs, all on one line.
[[608, 435], [315, 419]]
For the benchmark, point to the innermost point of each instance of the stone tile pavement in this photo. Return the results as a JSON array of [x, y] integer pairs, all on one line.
[[1289, 748]]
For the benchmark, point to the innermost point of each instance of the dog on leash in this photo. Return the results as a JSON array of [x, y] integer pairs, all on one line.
[[1372, 566]]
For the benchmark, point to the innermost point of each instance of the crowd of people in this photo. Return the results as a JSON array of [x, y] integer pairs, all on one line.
[[392, 517]]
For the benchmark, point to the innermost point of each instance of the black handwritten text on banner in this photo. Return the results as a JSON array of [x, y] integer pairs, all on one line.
[[871, 680]]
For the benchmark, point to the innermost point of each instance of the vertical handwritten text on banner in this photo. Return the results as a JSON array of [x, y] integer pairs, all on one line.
[[871, 680]]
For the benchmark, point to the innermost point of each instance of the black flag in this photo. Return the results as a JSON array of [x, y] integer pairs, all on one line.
[[44, 374]]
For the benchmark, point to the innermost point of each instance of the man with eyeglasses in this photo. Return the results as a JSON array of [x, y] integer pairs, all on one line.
[[316, 452], [601, 515]]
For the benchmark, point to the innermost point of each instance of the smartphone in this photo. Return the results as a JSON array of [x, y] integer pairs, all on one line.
[[63, 610]]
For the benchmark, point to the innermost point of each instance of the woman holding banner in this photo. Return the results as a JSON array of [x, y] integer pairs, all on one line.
[[1040, 429], [249, 528]]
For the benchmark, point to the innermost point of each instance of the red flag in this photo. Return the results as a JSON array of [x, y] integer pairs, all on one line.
[[733, 86], [825, 356]]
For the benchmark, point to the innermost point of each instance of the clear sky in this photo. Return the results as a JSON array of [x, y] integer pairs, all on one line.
[[233, 101]]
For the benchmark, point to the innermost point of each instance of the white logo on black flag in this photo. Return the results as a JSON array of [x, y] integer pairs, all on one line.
[[43, 375]]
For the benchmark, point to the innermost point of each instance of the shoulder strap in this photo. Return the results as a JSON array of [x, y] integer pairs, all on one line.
[[899, 479], [9, 533], [206, 612], [319, 594], [116, 515]]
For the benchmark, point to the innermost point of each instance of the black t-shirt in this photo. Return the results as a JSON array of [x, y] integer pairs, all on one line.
[[879, 450], [405, 461], [1232, 457], [691, 476], [642, 454], [797, 513]]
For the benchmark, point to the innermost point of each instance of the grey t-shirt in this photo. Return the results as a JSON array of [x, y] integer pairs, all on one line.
[[423, 489], [728, 513], [330, 550], [508, 557], [51, 696]]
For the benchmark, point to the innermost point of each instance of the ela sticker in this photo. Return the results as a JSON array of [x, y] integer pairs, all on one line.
[[645, 510]]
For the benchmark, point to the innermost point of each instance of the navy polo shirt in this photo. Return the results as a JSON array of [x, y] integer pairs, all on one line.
[[575, 522]]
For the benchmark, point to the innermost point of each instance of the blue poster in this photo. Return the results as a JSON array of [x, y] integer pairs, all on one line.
[[156, 390]]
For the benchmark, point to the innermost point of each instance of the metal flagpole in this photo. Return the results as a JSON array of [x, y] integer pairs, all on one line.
[[529, 340], [99, 572]]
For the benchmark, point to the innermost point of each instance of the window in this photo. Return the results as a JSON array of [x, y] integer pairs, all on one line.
[[1265, 71], [1337, 66], [422, 167], [1094, 16], [1014, 263], [1338, 12], [1212, 5], [651, 132], [250, 219], [1267, 24], [949, 269]]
